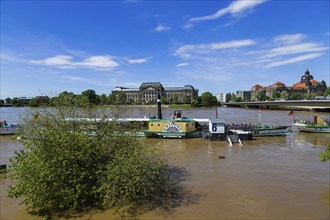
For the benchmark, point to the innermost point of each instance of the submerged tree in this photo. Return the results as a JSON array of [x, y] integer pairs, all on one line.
[[326, 155], [68, 165]]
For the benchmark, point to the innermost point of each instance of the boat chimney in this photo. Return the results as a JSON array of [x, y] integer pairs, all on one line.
[[159, 107]]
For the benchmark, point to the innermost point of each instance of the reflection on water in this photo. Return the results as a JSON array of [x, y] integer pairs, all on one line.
[[269, 177]]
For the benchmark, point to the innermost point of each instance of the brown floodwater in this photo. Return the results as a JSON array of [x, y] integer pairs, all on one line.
[[266, 178]]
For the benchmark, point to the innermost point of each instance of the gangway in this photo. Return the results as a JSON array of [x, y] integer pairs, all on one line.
[[233, 137]]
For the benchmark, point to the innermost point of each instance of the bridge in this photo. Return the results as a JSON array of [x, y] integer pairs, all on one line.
[[309, 105]]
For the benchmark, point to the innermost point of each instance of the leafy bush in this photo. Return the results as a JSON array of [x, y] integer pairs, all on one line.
[[326, 155], [69, 166]]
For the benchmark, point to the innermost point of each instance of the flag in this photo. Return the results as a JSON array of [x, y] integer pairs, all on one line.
[[291, 113]]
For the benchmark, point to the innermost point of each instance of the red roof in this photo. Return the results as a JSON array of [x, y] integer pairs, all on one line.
[[299, 85], [278, 84], [313, 81], [256, 87]]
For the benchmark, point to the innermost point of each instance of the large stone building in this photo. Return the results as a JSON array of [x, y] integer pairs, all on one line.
[[148, 93], [307, 84]]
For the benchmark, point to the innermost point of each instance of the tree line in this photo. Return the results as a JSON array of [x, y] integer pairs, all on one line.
[[90, 97]]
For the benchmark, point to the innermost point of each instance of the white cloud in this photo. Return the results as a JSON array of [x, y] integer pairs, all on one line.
[[235, 8], [288, 39], [99, 62], [186, 51], [292, 49], [287, 49], [93, 62], [182, 64], [295, 59], [59, 60], [162, 28], [221, 61], [137, 61]]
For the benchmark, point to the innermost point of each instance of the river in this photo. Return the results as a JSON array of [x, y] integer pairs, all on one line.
[[266, 178]]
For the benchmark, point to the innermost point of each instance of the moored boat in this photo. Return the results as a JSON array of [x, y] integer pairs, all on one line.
[[8, 128], [174, 127], [319, 125], [260, 130]]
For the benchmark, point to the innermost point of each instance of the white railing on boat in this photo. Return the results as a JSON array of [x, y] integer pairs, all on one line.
[[200, 120]]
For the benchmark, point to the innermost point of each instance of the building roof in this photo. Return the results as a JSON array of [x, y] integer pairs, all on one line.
[[299, 85], [256, 87], [303, 85], [177, 88], [314, 82], [151, 84], [278, 84]]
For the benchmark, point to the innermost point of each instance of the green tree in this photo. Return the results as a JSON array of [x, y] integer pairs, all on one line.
[[39, 101], [103, 99], [8, 100], [93, 98], [176, 99], [70, 99], [284, 95], [296, 96], [17, 102], [276, 95], [228, 97], [194, 103], [326, 155], [163, 100], [261, 96], [327, 91], [112, 99], [186, 99], [239, 99], [2, 101], [72, 166], [208, 99], [121, 98], [233, 97]]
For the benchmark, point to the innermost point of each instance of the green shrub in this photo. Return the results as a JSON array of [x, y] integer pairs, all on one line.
[[69, 166], [326, 155]]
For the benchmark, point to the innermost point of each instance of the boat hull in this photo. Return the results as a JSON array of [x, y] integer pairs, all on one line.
[[261, 131], [312, 128], [269, 132], [7, 130], [173, 135]]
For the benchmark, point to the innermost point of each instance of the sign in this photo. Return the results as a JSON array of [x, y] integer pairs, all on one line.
[[172, 127]]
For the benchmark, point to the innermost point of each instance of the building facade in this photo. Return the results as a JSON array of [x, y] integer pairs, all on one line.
[[307, 84], [148, 93], [221, 97], [243, 95]]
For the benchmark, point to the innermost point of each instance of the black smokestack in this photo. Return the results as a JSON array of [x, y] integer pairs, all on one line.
[[159, 107]]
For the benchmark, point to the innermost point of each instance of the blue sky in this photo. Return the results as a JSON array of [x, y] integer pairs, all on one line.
[[218, 46]]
